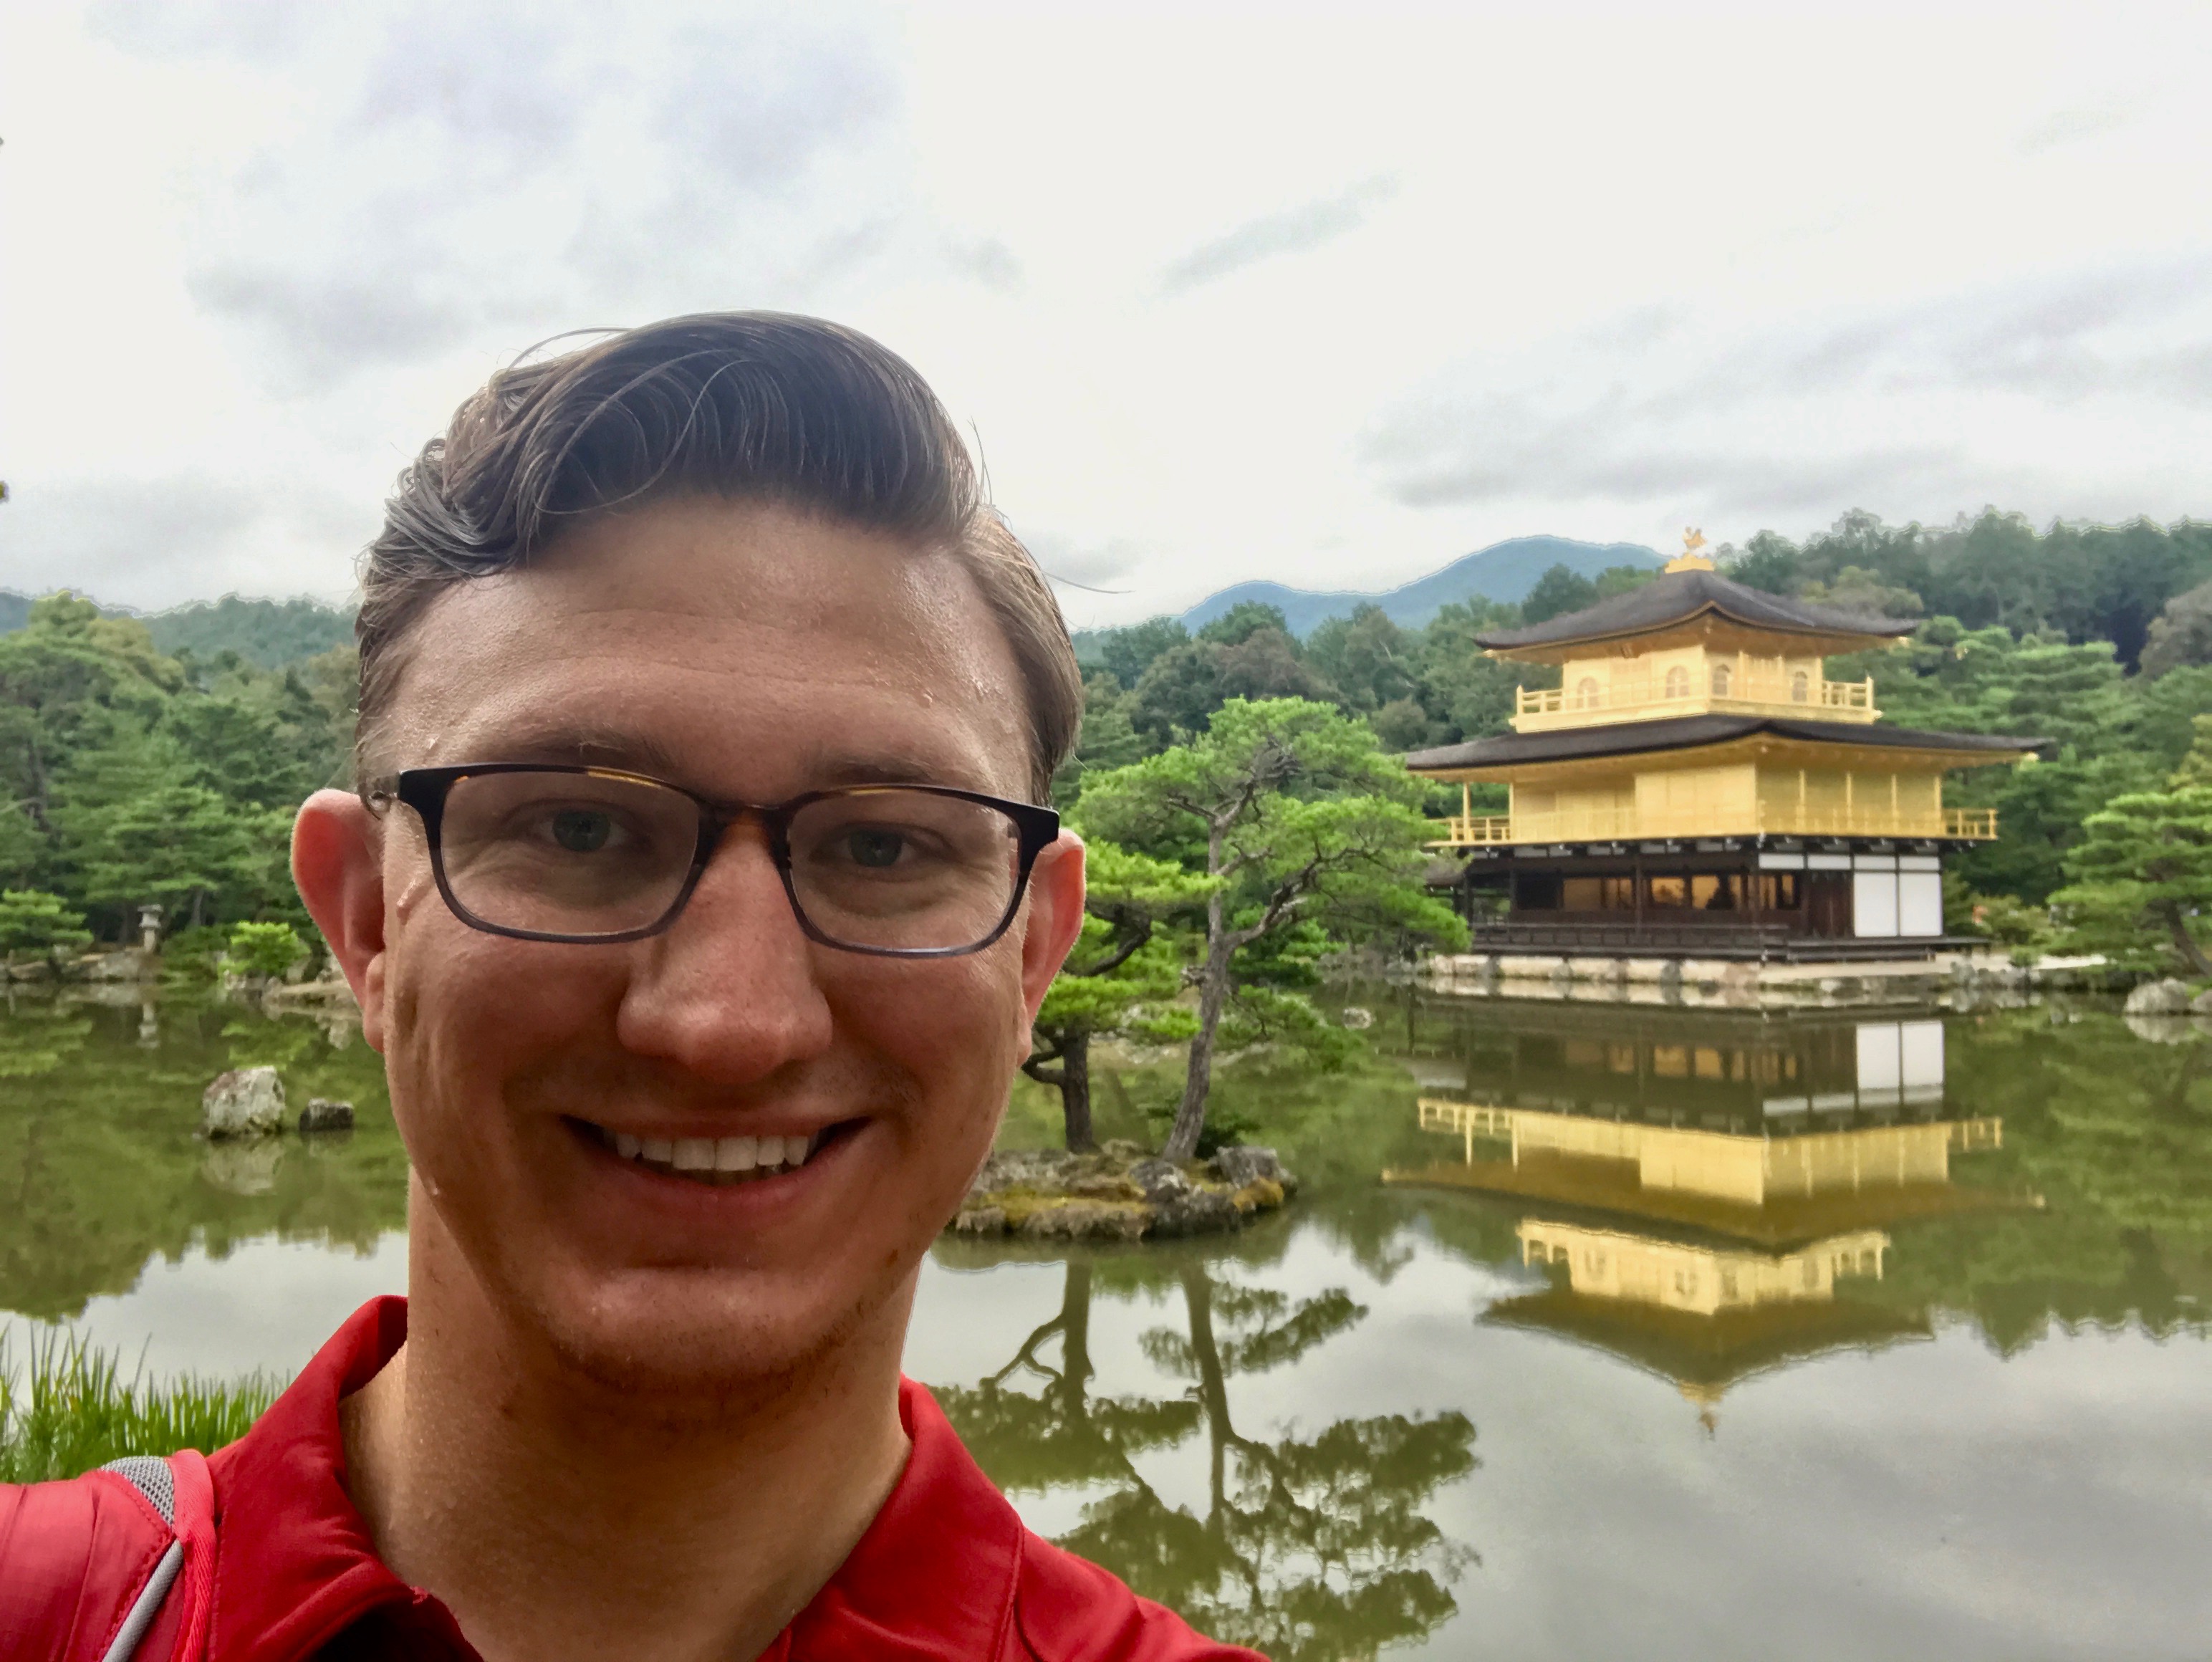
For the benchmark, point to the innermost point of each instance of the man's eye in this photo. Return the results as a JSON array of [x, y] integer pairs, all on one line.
[[873, 847], [582, 830]]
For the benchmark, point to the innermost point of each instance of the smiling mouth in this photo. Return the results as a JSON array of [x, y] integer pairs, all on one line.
[[718, 1160]]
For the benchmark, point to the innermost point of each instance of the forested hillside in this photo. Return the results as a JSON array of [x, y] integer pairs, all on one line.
[[269, 633], [131, 776]]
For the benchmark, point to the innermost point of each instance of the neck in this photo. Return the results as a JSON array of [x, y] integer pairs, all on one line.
[[558, 1517]]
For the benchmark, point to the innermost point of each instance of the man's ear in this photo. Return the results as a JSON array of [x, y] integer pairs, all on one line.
[[1055, 916], [338, 861]]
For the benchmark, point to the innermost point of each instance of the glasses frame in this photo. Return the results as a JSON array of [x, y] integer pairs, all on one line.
[[425, 791]]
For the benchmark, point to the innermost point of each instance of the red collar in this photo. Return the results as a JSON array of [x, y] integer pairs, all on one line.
[[934, 1576]]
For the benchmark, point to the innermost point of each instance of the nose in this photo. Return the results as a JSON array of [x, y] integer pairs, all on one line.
[[728, 991]]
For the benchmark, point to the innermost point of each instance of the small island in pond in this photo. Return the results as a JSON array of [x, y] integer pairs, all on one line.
[[1122, 1192]]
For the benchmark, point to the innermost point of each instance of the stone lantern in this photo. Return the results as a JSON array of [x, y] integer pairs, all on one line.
[[150, 928]]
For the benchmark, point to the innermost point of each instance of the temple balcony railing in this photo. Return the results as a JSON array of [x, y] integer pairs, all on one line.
[[1542, 710], [1625, 824], [1475, 831]]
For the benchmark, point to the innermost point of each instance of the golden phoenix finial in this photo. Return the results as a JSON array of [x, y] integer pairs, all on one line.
[[1693, 538]]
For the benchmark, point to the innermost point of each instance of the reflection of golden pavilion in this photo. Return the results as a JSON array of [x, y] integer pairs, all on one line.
[[1605, 1263], [1763, 1188], [1711, 1250]]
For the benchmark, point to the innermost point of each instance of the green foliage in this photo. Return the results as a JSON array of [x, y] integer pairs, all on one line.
[[1862, 592], [1558, 591], [1299, 819], [267, 950], [2142, 880], [34, 921], [1126, 654], [128, 777], [136, 827], [2083, 583], [2196, 767], [1123, 976], [2182, 633], [1244, 620], [2010, 922], [66, 1409], [1370, 662], [267, 633]]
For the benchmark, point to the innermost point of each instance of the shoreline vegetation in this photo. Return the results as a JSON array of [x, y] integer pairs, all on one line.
[[66, 1408]]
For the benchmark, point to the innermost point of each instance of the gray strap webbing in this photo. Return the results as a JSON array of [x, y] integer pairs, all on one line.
[[150, 1475], [152, 1478], [149, 1605]]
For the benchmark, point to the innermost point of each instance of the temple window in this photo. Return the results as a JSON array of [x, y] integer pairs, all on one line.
[[1678, 682], [1723, 676], [1801, 688], [1586, 692]]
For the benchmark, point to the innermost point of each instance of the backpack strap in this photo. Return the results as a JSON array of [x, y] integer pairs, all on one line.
[[179, 1492]]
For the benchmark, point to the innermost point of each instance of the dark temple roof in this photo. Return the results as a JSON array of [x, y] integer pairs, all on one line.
[[1687, 732], [1676, 597]]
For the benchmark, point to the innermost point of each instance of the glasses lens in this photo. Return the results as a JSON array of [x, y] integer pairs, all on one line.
[[904, 869], [570, 854]]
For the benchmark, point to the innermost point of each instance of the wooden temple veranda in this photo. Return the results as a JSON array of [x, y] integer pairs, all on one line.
[[1697, 787]]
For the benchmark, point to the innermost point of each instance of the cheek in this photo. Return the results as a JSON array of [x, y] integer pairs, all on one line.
[[465, 1011], [954, 1024]]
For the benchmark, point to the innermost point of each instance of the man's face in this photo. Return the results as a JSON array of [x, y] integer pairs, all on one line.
[[748, 654]]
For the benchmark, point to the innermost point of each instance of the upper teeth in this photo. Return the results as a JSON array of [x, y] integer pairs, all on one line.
[[716, 1155]]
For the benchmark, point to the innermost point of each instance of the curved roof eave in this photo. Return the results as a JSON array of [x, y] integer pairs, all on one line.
[[1692, 732], [1679, 597]]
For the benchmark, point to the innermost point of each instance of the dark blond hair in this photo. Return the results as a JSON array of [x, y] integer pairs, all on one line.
[[756, 406]]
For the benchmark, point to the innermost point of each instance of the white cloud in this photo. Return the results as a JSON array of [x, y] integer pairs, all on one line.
[[1328, 297]]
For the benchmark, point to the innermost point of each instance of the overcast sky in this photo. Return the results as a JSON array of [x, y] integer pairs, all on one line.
[[1327, 294]]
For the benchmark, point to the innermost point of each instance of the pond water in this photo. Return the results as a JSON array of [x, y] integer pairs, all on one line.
[[1597, 1331]]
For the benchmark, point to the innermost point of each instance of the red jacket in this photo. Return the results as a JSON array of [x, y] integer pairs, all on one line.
[[287, 1573]]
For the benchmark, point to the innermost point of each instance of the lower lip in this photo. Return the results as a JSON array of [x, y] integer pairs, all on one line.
[[667, 1189]]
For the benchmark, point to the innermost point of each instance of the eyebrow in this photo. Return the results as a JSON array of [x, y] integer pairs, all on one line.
[[644, 752]]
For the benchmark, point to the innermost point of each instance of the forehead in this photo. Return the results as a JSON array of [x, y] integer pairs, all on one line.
[[744, 648]]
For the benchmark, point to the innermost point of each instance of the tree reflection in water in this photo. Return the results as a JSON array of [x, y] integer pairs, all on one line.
[[1311, 1548]]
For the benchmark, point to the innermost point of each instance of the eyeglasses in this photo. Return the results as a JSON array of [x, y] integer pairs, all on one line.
[[596, 855]]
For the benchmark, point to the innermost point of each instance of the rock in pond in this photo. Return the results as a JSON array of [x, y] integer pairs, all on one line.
[[1119, 1194], [1237, 1165], [245, 1102], [321, 1114], [2167, 997]]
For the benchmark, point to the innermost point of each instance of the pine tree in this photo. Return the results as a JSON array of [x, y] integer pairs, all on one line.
[[2143, 872], [139, 827], [1122, 978], [1296, 814], [34, 921]]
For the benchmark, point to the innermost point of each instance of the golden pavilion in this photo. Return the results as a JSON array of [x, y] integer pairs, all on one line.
[[1696, 785], [1710, 1196]]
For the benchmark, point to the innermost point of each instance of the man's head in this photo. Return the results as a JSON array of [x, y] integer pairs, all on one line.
[[743, 555]]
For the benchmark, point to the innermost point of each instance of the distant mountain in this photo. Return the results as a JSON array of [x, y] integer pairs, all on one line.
[[269, 633], [1504, 572]]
